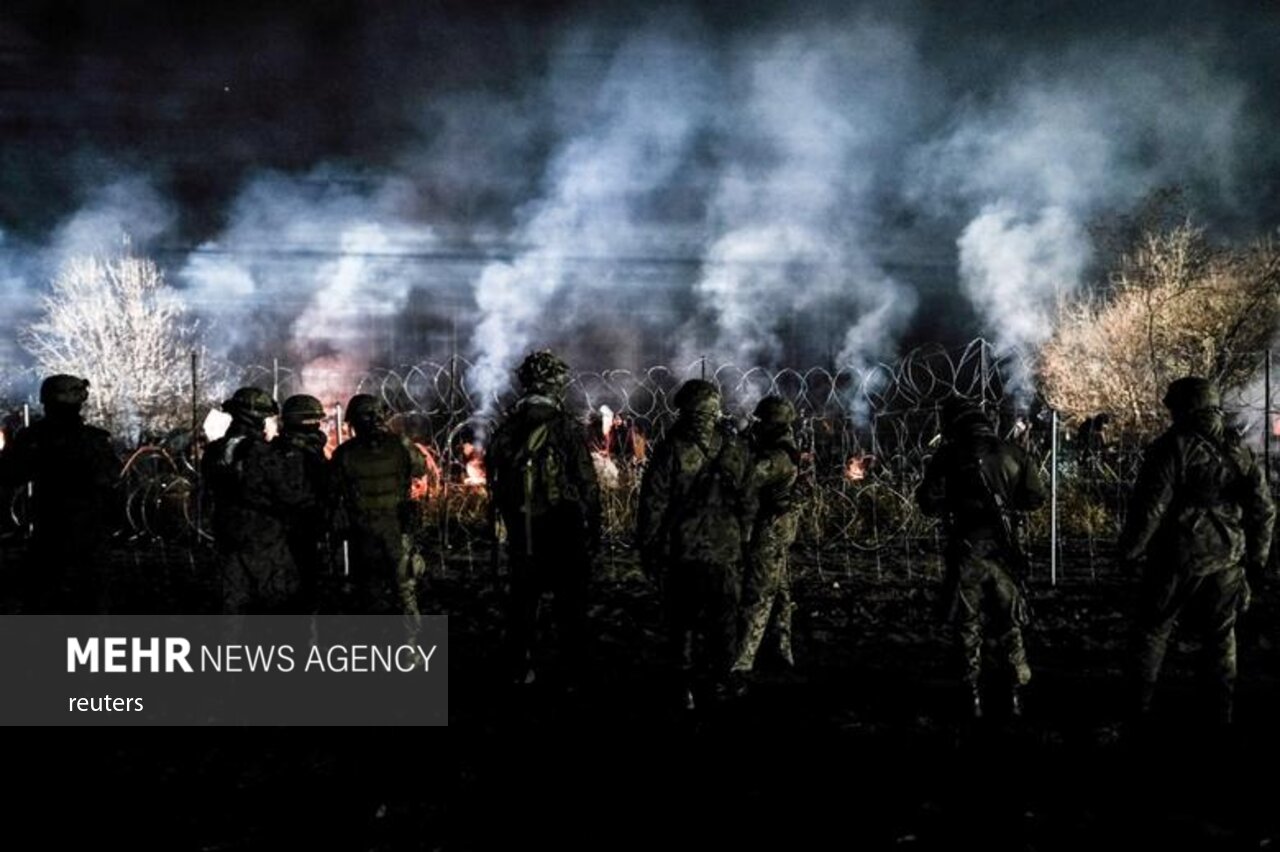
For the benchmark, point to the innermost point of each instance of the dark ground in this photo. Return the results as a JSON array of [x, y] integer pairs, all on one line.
[[858, 747]]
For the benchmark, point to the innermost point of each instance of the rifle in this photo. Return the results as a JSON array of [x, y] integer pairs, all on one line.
[[1010, 544]]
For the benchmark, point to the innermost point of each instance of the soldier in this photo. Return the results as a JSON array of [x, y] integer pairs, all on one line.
[[694, 523], [301, 444], [973, 480], [1201, 507], [251, 495], [766, 591], [373, 474], [73, 471], [542, 483]]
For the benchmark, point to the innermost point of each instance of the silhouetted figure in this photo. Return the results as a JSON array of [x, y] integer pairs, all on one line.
[[542, 483], [766, 589], [974, 481], [373, 475], [74, 473], [694, 525], [251, 495], [1202, 516], [300, 445]]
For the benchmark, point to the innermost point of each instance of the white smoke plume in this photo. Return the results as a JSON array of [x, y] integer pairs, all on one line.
[[794, 210], [1056, 147], [333, 262], [639, 127]]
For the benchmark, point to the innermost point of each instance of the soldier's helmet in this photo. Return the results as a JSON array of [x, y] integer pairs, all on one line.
[[542, 370], [1190, 394], [962, 416], [252, 403], [366, 410], [63, 389], [697, 396], [775, 411], [302, 412]]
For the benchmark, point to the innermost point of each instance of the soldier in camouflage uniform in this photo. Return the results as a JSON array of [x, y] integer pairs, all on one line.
[[252, 496], [542, 483], [1202, 516], [73, 472], [969, 481], [766, 591], [694, 523], [373, 474], [301, 445]]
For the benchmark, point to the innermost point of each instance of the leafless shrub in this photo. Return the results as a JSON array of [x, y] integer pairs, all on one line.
[[1175, 305]]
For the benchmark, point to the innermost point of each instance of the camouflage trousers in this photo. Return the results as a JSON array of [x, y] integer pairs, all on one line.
[[260, 578], [381, 572], [562, 571], [66, 572], [766, 596], [985, 592], [701, 603], [1206, 604]]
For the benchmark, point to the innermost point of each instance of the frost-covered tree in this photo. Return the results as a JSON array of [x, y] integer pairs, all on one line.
[[116, 322]]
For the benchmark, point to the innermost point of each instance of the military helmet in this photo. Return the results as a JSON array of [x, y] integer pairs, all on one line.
[[1191, 393], [960, 414], [542, 369], [302, 410], [697, 395], [64, 390], [365, 406], [252, 402], [775, 410]]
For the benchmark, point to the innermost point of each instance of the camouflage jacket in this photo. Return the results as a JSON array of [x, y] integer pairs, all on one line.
[[253, 490], [696, 503], [952, 489], [774, 472], [372, 476], [1201, 503], [72, 468]]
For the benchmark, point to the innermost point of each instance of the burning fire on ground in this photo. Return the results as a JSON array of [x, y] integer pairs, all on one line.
[[857, 467]]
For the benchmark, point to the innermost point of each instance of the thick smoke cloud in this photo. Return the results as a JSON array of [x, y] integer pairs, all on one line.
[[332, 265], [1063, 142], [755, 191]]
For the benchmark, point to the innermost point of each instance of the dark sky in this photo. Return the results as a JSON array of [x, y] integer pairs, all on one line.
[[480, 124]]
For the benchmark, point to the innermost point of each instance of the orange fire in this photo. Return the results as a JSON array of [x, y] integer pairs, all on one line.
[[421, 487], [856, 468], [606, 467], [473, 457], [1, 439]]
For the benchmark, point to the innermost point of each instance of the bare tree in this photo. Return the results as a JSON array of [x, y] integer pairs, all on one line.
[[1176, 304], [117, 323]]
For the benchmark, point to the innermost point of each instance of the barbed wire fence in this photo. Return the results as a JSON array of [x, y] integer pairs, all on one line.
[[865, 436]]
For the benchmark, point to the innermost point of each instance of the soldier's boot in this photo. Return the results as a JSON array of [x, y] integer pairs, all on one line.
[[784, 640], [972, 705]]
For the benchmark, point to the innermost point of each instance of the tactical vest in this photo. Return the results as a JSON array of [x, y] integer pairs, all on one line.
[[375, 473]]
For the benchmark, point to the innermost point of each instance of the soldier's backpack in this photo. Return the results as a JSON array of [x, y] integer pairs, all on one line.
[[537, 466]]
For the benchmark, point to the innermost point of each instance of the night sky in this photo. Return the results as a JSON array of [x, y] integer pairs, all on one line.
[[778, 183]]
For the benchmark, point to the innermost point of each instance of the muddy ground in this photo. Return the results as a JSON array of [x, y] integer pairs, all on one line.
[[858, 747]]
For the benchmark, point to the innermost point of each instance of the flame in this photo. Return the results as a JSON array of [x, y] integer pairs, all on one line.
[[473, 456], [1, 439], [856, 468], [1275, 427], [423, 485]]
